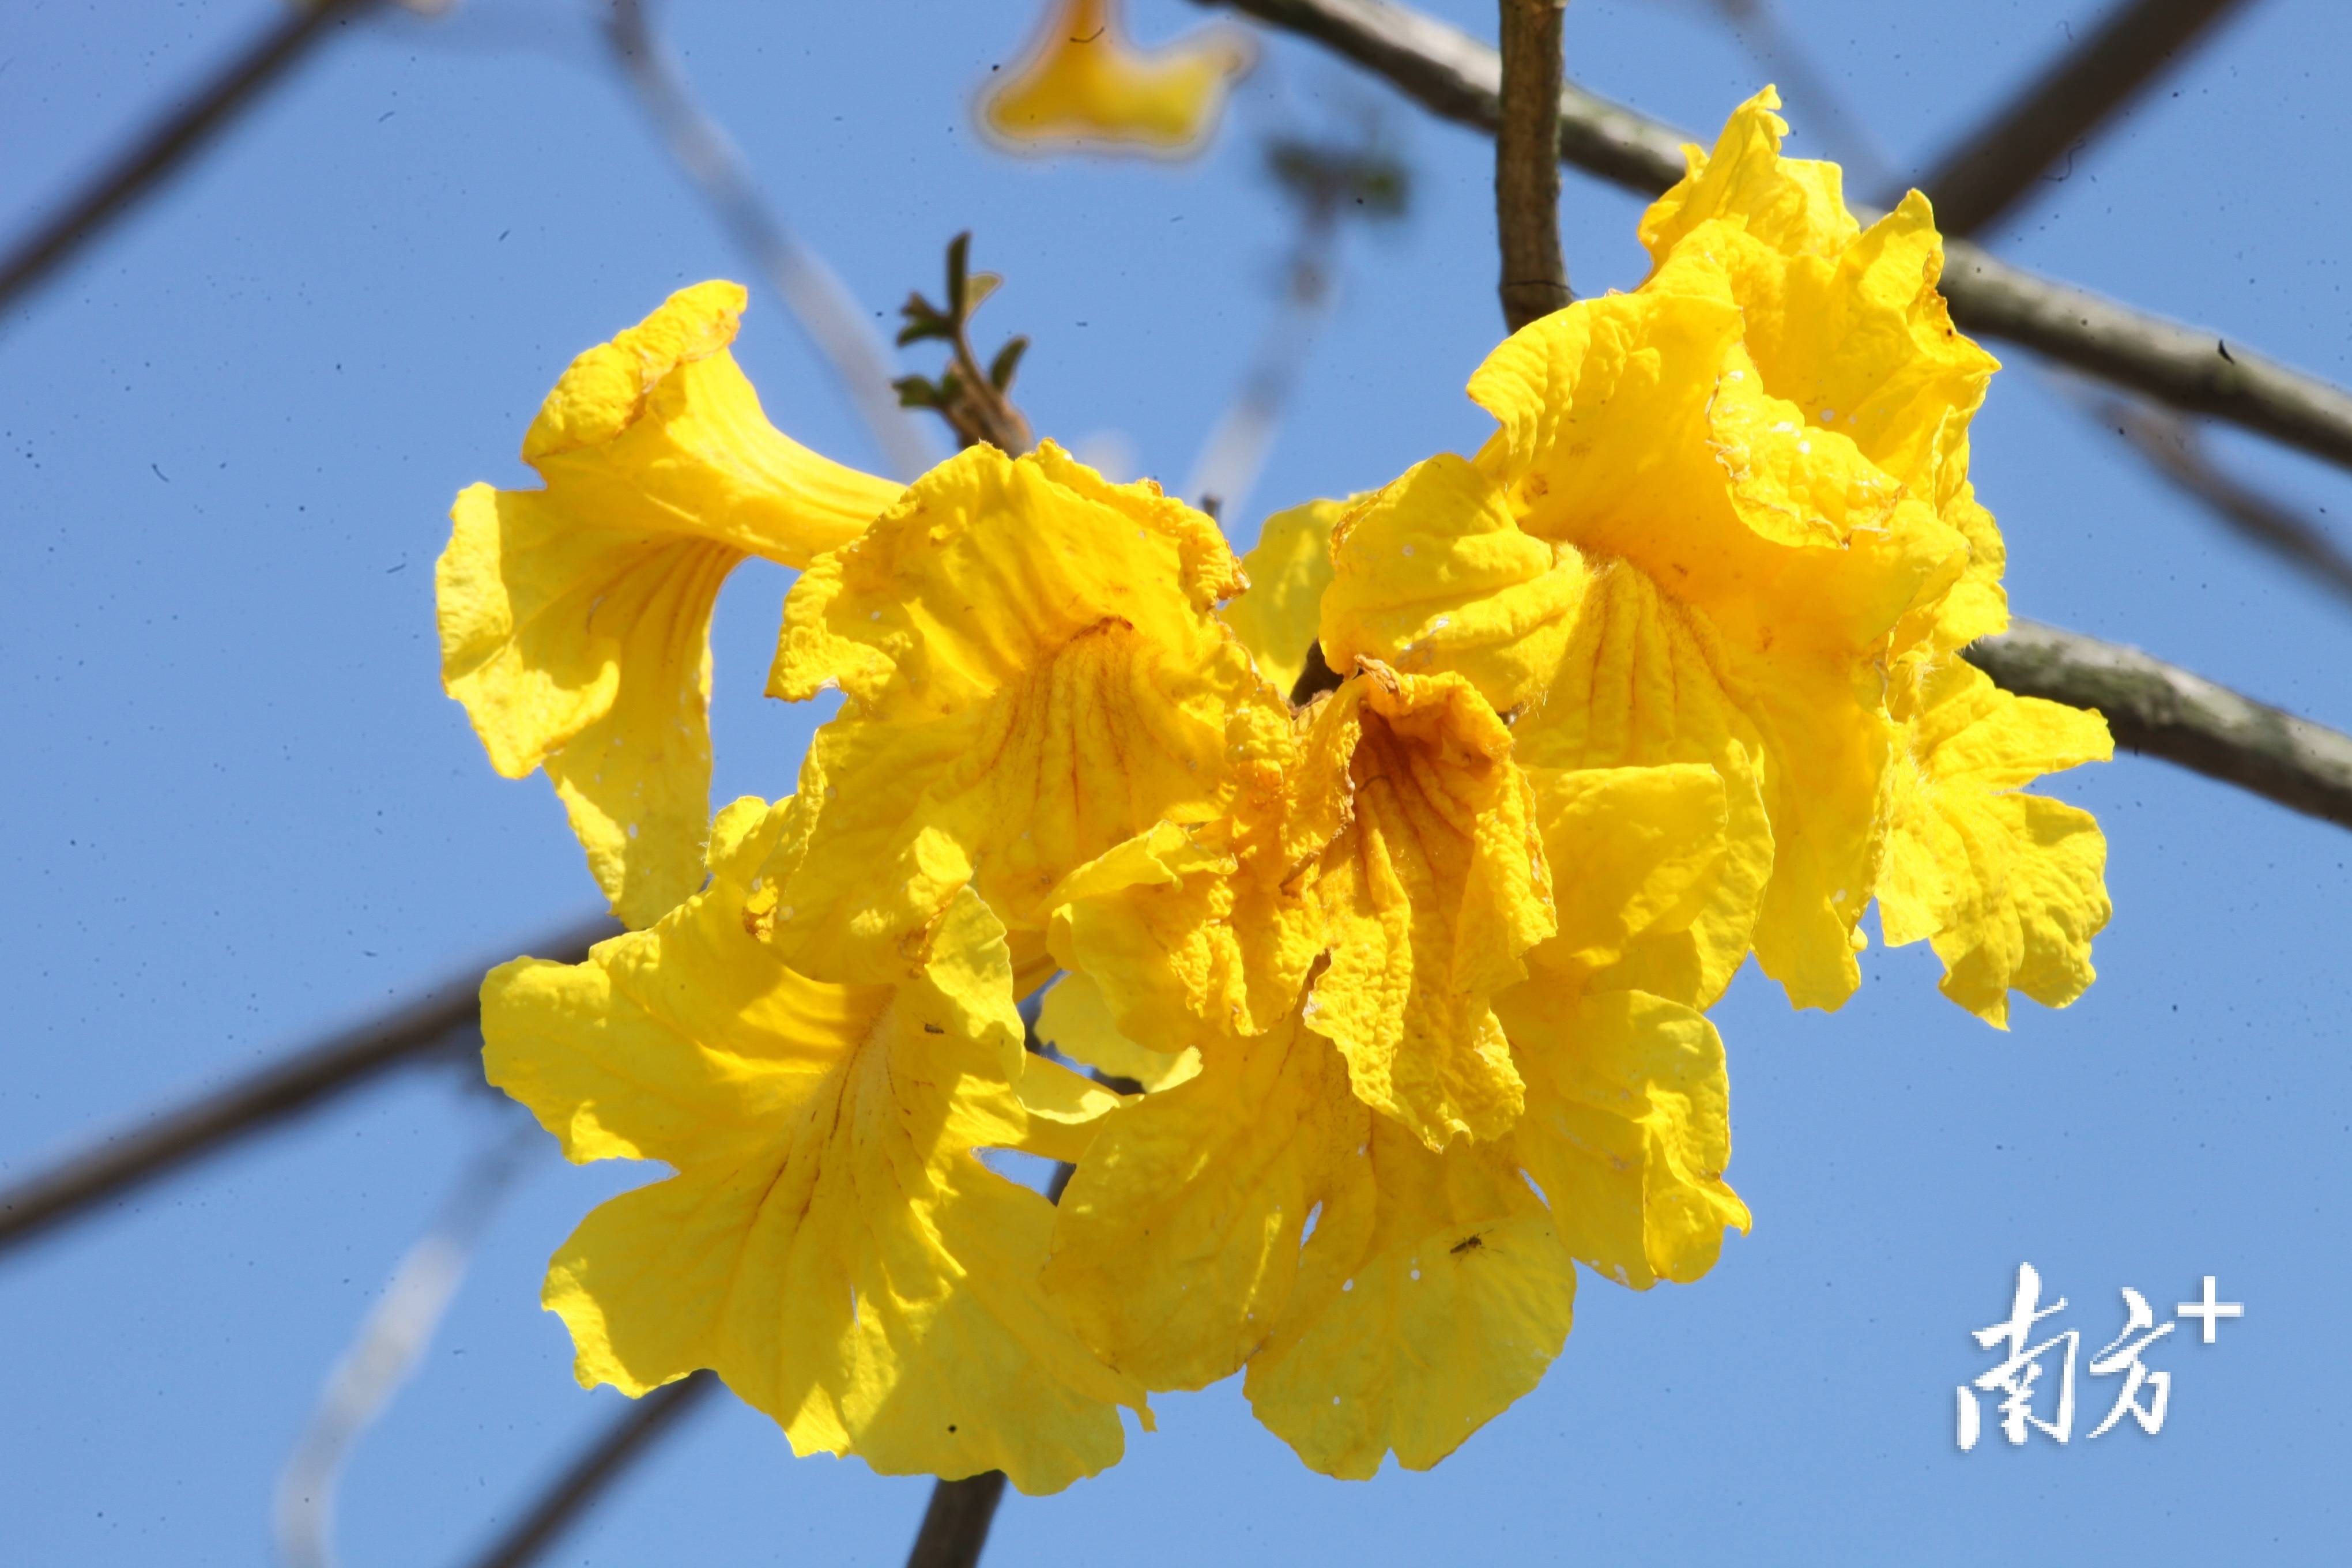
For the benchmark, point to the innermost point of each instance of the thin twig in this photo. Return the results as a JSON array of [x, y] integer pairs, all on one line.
[[302, 1082], [1459, 78], [818, 300], [1526, 163], [166, 145], [1982, 179], [2174, 447], [2160, 710], [621, 1442], [384, 1353]]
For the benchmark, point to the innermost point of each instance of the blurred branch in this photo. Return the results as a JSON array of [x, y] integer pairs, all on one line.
[[307, 1079], [620, 1444], [384, 1353], [1527, 162], [2160, 710], [1458, 79], [1981, 181], [822, 305], [1327, 182], [2176, 449], [167, 144]]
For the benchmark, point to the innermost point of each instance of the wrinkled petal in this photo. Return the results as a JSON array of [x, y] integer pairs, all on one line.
[[1433, 573], [1430, 895], [1288, 570], [1433, 1292], [575, 619], [1627, 1128], [1637, 856], [2009, 888], [1082, 85], [830, 1246], [1176, 1243], [1033, 676]]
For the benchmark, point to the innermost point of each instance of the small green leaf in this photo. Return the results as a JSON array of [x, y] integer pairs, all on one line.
[[958, 254], [1007, 361], [981, 286], [914, 392]]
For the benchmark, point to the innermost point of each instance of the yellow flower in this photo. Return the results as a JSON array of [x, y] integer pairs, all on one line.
[[1385, 1297], [575, 619], [829, 1245], [1847, 325], [1725, 519], [1082, 85], [1033, 674]]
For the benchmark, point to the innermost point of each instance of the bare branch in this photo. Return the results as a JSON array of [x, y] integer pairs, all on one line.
[[620, 1444], [307, 1079], [166, 145], [817, 300], [955, 1525], [1459, 78], [2161, 711], [1982, 180], [1526, 163]]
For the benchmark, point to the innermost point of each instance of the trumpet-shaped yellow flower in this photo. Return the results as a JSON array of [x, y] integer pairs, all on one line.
[[829, 1245], [1033, 674], [1082, 85], [1847, 325], [1725, 519], [575, 619], [1384, 1297]]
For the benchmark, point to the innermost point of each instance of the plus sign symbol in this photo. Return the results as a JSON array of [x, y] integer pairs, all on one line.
[[2209, 1310]]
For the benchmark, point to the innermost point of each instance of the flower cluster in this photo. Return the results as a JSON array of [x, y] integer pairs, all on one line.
[[1395, 994]]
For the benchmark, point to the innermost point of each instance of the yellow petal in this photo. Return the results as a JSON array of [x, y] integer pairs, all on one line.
[[1033, 676], [1627, 1128], [1287, 572], [575, 619], [830, 1246], [2009, 888], [1076, 1021], [1430, 895], [1433, 1292], [1433, 573], [1176, 1243], [1637, 855], [1082, 85]]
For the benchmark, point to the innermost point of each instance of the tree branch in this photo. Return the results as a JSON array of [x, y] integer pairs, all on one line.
[[1526, 163], [1981, 181], [955, 1524], [1458, 79], [169, 142], [619, 1446], [2160, 710], [114, 1166]]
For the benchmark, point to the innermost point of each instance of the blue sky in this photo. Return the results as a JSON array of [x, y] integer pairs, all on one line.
[[241, 810]]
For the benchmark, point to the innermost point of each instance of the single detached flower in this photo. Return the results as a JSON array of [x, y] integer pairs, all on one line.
[[1082, 86]]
